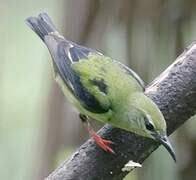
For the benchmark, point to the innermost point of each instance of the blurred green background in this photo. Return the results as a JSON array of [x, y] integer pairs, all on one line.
[[38, 127]]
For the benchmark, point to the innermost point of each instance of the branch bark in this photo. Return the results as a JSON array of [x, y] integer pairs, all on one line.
[[174, 91]]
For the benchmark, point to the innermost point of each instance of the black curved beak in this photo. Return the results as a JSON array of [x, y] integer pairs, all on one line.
[[166, 143]]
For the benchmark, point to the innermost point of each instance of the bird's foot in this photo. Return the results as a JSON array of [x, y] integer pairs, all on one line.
[[102, 143]]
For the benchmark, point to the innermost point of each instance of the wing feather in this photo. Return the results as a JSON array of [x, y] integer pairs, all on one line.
[[66, 54]]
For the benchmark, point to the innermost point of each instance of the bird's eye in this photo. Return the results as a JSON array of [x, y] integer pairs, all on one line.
[[149, 126]]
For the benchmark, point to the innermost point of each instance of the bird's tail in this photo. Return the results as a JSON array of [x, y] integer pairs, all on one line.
[[58, 46], [41, 25]]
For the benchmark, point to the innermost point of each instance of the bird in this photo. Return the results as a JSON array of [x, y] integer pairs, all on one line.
[[101, 88]]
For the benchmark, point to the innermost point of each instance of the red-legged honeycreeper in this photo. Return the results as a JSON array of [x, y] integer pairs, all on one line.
[[100, 87]]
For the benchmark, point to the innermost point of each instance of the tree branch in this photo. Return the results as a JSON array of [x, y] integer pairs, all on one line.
[[174, 91]]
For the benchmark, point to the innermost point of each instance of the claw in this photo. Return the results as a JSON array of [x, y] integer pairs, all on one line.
[[102, 143]]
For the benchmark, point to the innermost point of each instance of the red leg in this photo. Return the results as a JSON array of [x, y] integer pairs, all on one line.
[[102, 143]]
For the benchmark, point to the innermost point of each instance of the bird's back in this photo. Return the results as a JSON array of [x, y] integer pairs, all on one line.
[[102, 75], [87, 76]]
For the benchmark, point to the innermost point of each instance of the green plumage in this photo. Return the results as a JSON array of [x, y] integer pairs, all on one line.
[[127, 105], [100, 87]]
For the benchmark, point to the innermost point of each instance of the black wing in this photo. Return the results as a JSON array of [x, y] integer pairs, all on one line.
[[66, 56], [64, 53]]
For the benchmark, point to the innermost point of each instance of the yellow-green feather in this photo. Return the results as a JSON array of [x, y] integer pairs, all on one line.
[[125, 98], [119, 83]]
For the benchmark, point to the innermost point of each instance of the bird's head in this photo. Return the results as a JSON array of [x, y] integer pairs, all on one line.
[[152, 124], [157, 131]]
